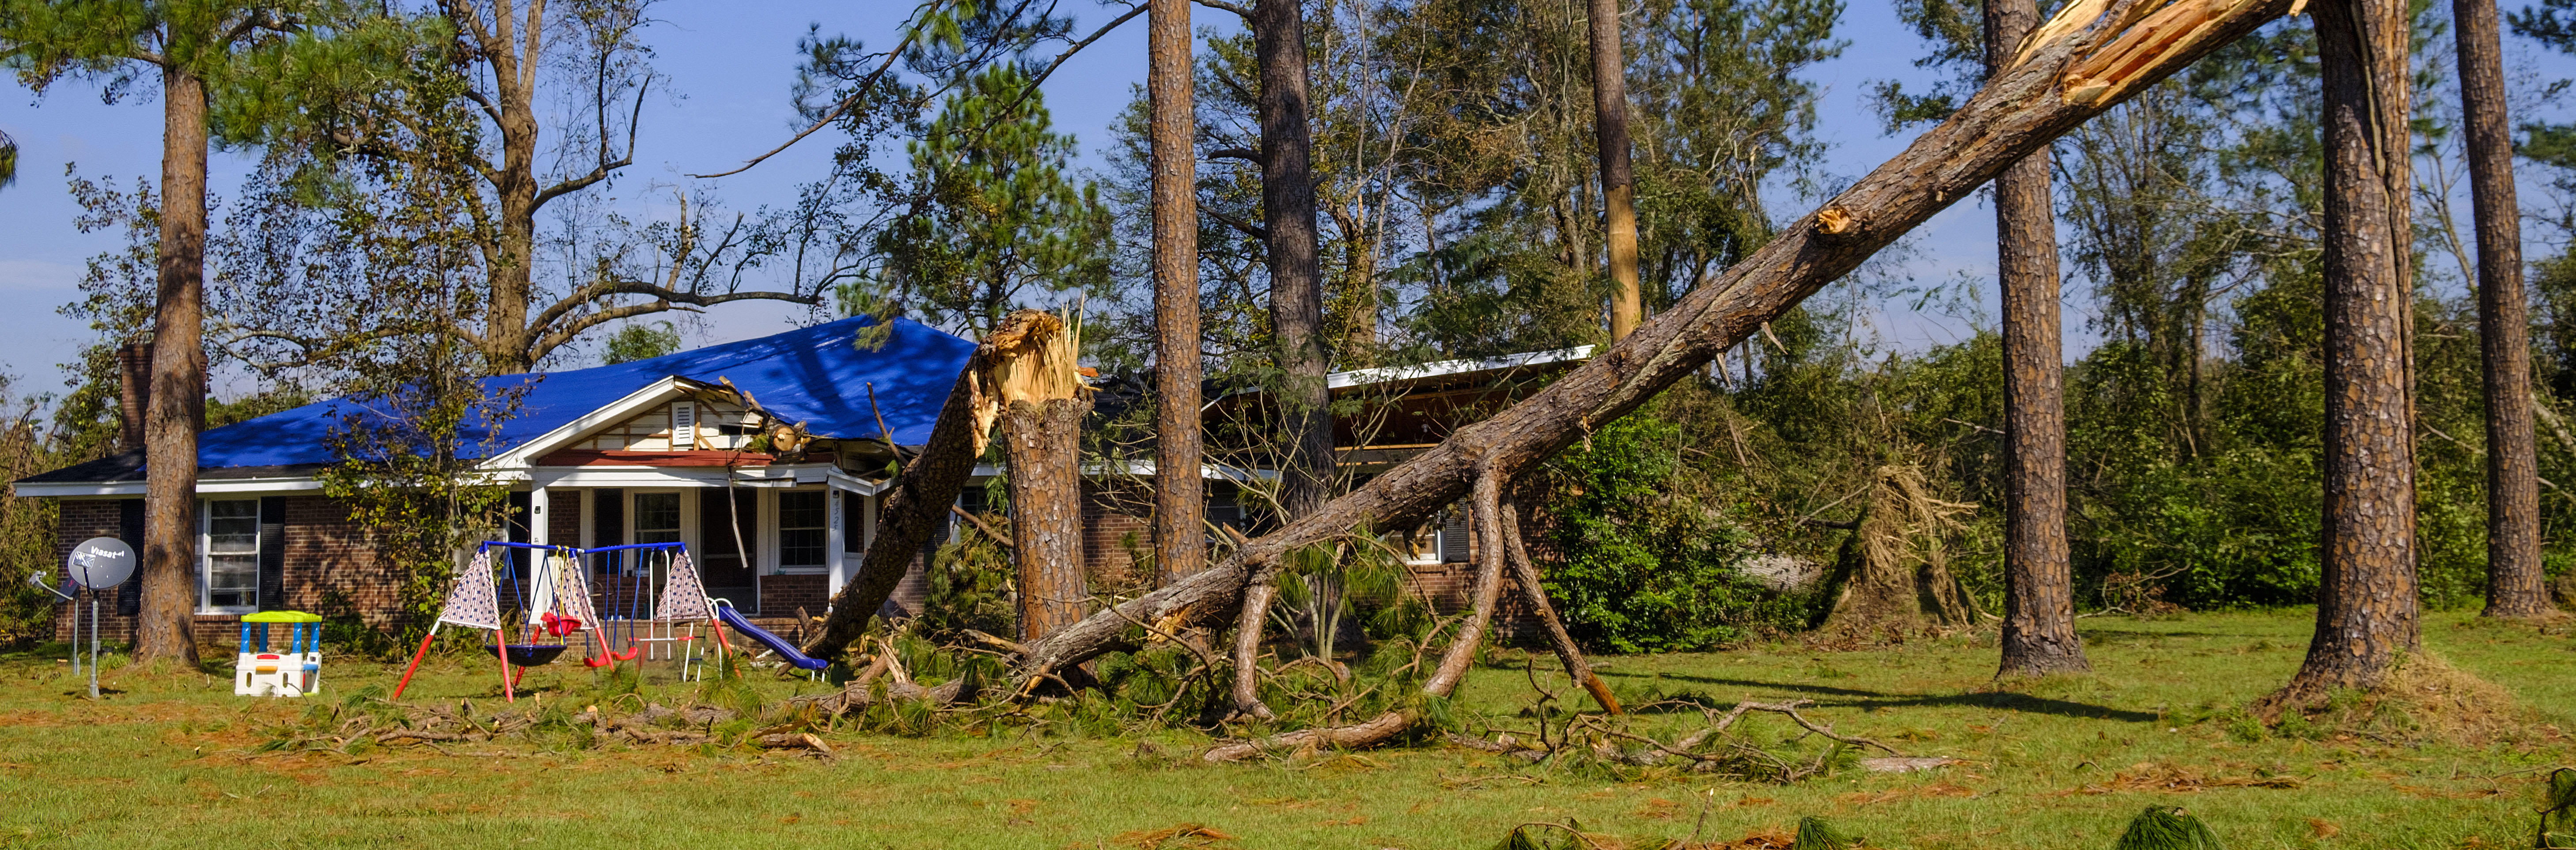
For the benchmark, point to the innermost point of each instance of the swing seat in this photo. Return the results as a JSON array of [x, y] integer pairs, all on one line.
[[531, 654]]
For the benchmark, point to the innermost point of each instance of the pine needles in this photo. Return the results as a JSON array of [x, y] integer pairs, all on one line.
[[1815, 834], [2558, 812], [2167, 828]]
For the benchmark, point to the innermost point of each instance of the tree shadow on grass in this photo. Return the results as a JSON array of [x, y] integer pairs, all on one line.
[[1827, 696]]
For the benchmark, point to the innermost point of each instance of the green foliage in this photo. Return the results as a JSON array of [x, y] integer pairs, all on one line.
[[1646, 567], [641, 341], [995, 221], [27, 525], [2558, 811], [2167, 828], [1815, 834], [970, 588]]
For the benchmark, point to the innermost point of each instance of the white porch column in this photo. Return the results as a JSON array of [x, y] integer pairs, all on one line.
[[833, 534], [537, 520]]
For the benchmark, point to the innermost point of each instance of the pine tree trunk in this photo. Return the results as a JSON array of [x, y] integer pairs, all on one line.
[[2516, 586], [1618, 180], [178, 392], [1180, 501], [1042, 442], [2017, 113], [1296, 276], [2039, 596], [2366, 604]]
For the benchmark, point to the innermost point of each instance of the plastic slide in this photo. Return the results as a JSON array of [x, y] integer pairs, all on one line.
[[775, 643]]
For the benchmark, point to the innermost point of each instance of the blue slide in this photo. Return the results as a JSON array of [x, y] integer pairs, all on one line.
[[775, 643]]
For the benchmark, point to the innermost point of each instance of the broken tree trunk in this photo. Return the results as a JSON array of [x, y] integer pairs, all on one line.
[[1536, 595], [1894, 575], [1035, 381], [917, 506], [2020, 110]]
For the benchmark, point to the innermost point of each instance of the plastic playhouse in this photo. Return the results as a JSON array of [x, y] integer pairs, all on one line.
[[294, 671]]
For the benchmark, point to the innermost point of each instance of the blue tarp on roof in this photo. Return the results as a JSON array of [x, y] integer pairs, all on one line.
[[815, 375]]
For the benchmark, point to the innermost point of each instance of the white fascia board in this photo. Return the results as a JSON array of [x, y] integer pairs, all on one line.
[[1339, 380], [111, 489], [700, 476], [635, 403], [628, 476]]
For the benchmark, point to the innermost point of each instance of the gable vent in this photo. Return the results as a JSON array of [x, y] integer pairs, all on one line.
[[684, 425]]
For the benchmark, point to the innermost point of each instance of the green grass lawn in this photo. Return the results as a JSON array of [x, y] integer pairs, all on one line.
[[172, 760]]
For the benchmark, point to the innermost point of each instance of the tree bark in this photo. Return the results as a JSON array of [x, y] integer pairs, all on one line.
[[1296, 276], [2366, 603], [1247, 645], [1035, 380], [134, 394], [506, 335], [177, 398], [2039, 596], [1535, 593], [1044, 449], [2019, 111], [1180, 501], [1618, 180], [2516, 587]]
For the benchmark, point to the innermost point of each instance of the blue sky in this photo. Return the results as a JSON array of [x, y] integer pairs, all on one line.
[[730, 65]]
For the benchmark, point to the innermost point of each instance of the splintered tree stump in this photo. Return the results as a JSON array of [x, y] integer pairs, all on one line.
[[1043, 401]]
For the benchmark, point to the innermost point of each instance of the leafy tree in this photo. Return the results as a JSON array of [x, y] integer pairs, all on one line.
[[997, 222], [641, 341]]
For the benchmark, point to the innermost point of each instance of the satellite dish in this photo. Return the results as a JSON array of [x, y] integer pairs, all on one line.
[[100, 563]]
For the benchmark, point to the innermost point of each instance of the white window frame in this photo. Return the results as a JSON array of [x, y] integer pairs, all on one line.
[[688, 512], [206, 558], [772, 543], [1429, 533]]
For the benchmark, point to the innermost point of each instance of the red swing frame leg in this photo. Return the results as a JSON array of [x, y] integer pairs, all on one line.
[[501, 647], [415, 660]]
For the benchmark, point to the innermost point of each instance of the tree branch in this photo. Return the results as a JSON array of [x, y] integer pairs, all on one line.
[[869, 84]]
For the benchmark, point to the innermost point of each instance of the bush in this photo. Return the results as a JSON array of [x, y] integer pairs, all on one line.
[[1647, 566]]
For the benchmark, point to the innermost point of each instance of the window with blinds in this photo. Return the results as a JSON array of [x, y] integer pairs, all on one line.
[[801, 530], [229, 580]]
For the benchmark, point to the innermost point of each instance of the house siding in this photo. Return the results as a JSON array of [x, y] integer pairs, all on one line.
[[329, 569]]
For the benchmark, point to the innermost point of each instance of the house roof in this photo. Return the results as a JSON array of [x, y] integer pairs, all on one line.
[[816, 375], [1448, 369]]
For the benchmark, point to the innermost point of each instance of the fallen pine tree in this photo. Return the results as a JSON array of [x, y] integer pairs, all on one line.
[[2090, 56]]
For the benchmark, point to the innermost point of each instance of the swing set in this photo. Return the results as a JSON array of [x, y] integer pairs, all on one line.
[[650, 590]]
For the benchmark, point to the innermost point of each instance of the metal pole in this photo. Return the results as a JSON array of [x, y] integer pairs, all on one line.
[[93, 644], [74, 606]]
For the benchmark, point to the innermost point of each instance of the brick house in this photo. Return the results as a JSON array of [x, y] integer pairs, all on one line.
[[659, 450]]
